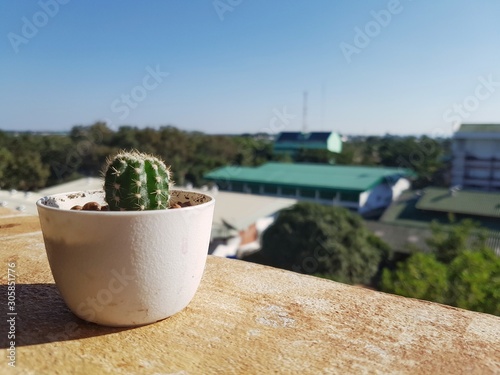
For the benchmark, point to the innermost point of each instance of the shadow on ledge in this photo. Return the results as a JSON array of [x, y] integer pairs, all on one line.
[[42, 317]]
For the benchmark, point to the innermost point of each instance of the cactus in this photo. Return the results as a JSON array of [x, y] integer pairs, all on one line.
[[134, 182]]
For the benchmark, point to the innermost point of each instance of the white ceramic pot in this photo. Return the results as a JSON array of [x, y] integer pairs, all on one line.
[[126, 268]]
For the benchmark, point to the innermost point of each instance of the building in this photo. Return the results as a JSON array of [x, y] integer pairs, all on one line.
[[239, 221], [476, 157], [480, 206], [292, 142], [407, 221], [474, 194], [364, 189]]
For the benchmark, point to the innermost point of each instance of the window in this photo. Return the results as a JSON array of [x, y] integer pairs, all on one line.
[[308, 193], [237, 186], [327, 194], [349, 197], [270, 189], [288, 191], [254, 188]]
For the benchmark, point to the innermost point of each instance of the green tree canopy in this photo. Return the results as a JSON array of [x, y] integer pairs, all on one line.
[[6, 160], [462, 271], [475, 281], [448, 241], [25, 171], [329, 241], [84, 150], [424, 155], [420, 276]]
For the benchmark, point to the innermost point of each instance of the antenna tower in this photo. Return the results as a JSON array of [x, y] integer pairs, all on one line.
[[304, 114]]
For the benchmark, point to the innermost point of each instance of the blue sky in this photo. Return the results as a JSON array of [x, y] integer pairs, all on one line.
[[231, 66]]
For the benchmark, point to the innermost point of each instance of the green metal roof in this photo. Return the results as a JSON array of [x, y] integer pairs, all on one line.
[[317, 176], [461, 202], [403, 211], [480, 128]]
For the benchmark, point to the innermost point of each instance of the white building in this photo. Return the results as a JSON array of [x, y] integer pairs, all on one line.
[[476, 157]]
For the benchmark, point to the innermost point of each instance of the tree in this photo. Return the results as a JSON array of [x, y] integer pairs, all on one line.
[[424, 155], [25, 171], [323, 240], [355, 152], [462, 271], [420, 276], [315, 156], [475, 281], [6, 159], [61, 155], [252, 151], [91, 147], [448, 241]]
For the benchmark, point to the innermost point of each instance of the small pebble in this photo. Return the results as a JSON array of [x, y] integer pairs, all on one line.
[[91, 206], [77, 207]]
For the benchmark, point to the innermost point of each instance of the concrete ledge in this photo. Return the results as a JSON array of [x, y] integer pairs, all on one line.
[[245, 319]]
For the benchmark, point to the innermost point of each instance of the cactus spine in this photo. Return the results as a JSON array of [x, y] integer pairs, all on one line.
[[135, 181]]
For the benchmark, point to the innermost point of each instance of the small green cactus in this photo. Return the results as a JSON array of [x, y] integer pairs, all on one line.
[[135, 181]]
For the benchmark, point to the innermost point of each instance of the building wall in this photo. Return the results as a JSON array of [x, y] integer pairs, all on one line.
[[333, 197], [478, 148], [378, 197], [476, 162], [382, 195], [334, 143], [401, 185]]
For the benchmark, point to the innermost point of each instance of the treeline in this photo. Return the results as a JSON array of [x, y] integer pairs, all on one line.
[[30, 161], [33, 161]]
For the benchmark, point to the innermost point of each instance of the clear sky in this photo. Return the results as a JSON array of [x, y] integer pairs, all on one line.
[[231, 66]]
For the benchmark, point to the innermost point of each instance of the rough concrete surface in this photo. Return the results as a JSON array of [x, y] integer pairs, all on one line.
[[244, 319]]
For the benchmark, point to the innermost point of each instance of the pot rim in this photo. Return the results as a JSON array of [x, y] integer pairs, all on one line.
[[40, 203]]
